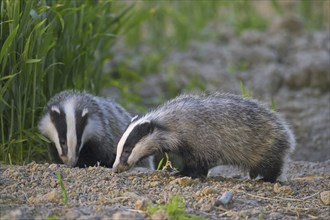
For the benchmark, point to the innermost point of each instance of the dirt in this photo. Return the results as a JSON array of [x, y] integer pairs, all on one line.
[[33, 192]]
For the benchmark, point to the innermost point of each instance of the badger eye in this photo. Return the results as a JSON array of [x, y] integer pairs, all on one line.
[[62, 142], [126, 151]]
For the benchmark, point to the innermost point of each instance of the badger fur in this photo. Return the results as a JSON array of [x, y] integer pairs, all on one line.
[[84, 129], [206, 131]]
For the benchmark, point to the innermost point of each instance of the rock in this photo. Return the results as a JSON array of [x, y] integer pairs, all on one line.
[[185, 181], [154, 184], [289, 24], [325, 197], [160, 215], [72, 214], [53, 197], [282, 189], [309, 69], [141, 204], [120, 215], [208, 191], [53, 183], [53, 166], [206, 207], [15, 215], [224, 199]]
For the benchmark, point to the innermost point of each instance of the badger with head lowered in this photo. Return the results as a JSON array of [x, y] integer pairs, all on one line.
[[210, 130], [84, 129]]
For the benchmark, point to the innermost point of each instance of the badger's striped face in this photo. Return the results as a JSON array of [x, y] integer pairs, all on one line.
[[65, 126], [133, 145]]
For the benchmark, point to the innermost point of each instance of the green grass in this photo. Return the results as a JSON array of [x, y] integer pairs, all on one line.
[[175, 209], [245, 93], [46, 47], [64, 192]]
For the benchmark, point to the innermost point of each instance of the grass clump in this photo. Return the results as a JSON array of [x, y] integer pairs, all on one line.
[[65, 193], [175, 209], [46, 47]]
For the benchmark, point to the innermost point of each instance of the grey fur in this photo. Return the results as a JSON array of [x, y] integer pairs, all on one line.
[[107, 119], [218, 129]]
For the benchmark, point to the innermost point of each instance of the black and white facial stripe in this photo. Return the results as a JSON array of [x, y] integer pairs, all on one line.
[[65, 127], [134, 133]]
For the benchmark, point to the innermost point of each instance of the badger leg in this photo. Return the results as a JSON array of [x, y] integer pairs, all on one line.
[[194, 171], [253, 173], [271, 175]]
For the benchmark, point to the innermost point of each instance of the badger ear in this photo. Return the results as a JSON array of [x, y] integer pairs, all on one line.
[[84, 112], [134, 118], [54, 113], [55, 109]]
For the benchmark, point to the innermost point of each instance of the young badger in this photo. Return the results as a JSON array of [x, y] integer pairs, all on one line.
[[210, 130], [84, 129]]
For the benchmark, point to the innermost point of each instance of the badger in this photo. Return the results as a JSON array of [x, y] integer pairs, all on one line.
[[84, 129], [209, 130]]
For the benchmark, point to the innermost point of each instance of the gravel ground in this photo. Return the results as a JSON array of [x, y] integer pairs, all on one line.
[[33, 192]]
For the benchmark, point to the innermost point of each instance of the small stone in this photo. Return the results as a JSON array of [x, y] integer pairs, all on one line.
[[53, 183], [72, 214], [53, 166], [224, 199], [287, 190], [160, 215], [206, 207], [282, 189], [325, 197], [185, 181], [127, 215], [141, 204], [15, 214], [208, 191], [154, 184], [52, 197]]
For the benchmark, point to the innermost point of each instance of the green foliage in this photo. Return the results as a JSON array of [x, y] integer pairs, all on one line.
[[175, 209], [245, 93], [65, 193], [46, 47], [171, 24], [165, 164], [52, 217], [273, 104]]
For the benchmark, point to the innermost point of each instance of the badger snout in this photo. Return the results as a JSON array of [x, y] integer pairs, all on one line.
[[121, 167]]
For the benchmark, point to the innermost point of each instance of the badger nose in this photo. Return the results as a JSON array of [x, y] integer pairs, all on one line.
[[120, 168]]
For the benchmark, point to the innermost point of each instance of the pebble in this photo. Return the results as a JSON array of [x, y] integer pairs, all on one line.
[[160, 215], [208, 190], [53, 166], [206, 207], [154, 184], [185, 181], [72, 214], [120, 215], [282, 189], [15, 214], [325, 197], [141, 204], [224, 199], [52, 197]]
